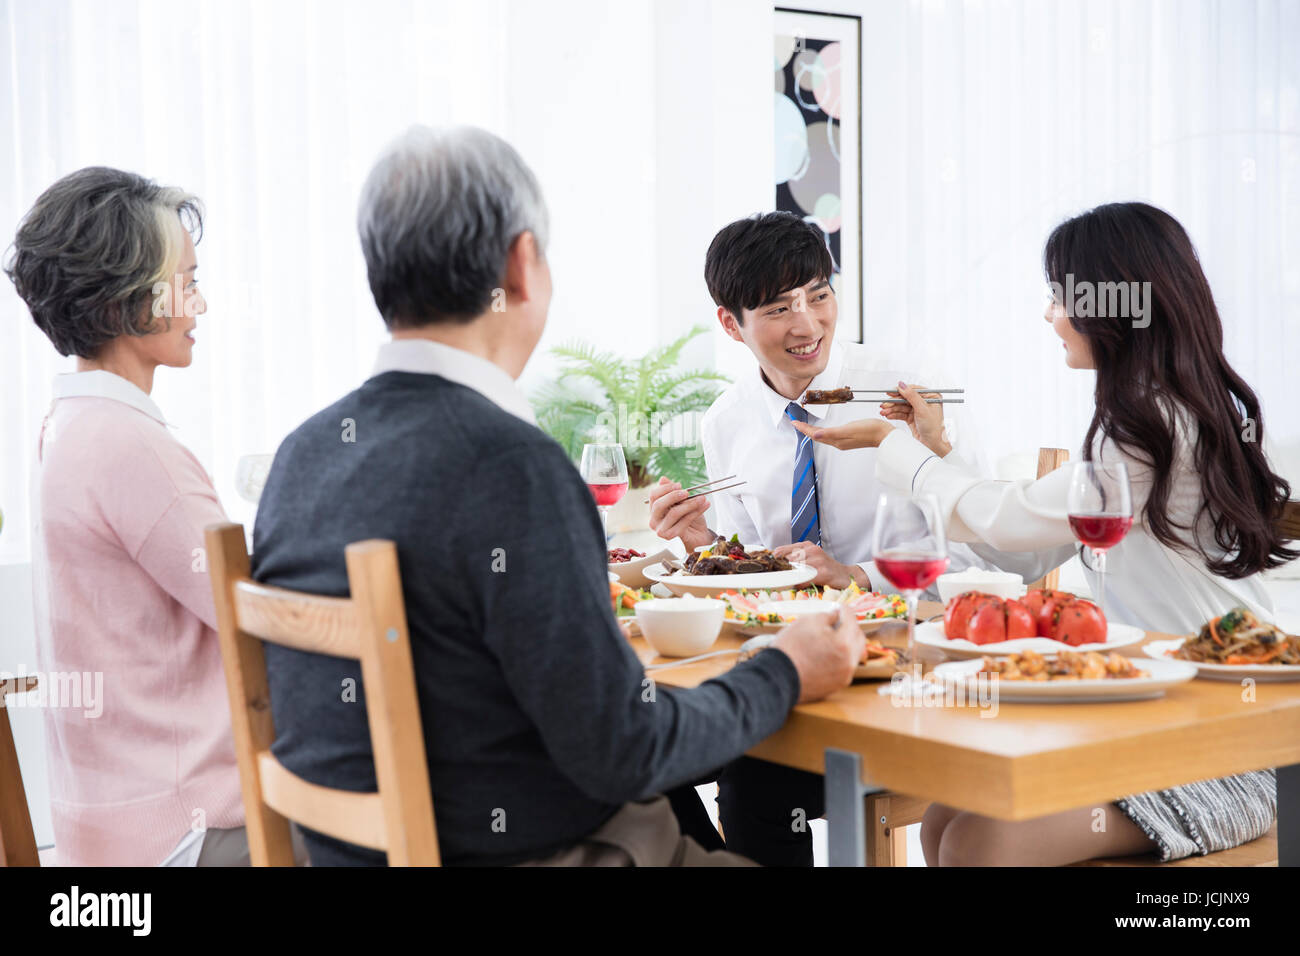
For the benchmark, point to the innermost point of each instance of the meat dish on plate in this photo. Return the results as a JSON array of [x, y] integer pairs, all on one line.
[[1067, 665], [728, 557]]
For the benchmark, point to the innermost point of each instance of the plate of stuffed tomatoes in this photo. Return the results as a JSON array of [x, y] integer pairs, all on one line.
[[1045, 622]]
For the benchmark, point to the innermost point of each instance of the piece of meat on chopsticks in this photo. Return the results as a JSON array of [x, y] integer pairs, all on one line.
[[828, 396]]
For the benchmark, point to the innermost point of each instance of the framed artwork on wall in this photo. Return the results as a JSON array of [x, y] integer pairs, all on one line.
[[817, 74]]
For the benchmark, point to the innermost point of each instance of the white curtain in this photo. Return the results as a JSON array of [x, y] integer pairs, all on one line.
[[987, 123], [649, 125], [273, 112]]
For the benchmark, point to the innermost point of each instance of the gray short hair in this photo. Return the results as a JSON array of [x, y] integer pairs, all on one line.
[[437, 217], [88, 254]]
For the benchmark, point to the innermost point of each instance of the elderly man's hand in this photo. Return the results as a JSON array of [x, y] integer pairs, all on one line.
[[825, 649]]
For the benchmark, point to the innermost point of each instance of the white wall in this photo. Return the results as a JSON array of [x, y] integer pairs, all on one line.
[[987, 123]]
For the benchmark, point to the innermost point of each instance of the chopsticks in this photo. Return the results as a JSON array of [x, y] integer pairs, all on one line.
[[705, 485], [903, 401], [919, 388]]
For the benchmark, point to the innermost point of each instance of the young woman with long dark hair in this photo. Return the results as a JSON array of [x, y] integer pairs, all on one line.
[[1190, 431]]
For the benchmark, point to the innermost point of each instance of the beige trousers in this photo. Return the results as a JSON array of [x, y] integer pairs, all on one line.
[[641, 834]]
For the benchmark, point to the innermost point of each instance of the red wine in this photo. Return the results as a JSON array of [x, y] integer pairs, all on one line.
[[1100, 532], [610, 493], [910, 570]]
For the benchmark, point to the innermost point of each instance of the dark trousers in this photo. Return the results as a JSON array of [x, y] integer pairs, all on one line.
[[765, 808], [693, 818]]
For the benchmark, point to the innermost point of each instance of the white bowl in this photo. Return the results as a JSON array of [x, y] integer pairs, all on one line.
[[629, 572], [1002, 583], [680, 627]]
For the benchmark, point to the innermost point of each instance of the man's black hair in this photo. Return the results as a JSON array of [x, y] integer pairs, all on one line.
[[754, 260]]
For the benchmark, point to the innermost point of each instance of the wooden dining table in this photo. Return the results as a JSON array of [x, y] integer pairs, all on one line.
[[1016, 761]]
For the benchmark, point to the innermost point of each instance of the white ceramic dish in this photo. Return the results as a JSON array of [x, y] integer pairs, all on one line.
[[798, 609], [1164, 674], [711, 585], [1260, 673], [931, 634], [1002, 583], [680, 627], [630, 572]]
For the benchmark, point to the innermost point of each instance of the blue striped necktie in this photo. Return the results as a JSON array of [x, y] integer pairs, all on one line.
[[805, 513]]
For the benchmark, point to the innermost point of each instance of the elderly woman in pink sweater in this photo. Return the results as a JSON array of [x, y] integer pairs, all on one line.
[[105, 262]]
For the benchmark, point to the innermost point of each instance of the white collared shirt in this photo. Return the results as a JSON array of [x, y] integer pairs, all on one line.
[[426, 357], [100, 383], [746, 433]]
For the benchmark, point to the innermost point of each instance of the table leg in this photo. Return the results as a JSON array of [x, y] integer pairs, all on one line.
[[1288, 815], [846, 830]]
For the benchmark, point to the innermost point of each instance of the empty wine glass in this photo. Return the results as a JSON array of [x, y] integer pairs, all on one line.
[[250, 476]]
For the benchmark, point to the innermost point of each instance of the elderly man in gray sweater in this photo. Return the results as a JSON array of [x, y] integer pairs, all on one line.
[[546, 742]]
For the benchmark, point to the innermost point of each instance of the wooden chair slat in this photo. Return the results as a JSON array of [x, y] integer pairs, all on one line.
[[1260, 852], [17, 839], [345, 815], [1288, 523], [1050, 459], [305, 622], [887, 814], [396, 734]]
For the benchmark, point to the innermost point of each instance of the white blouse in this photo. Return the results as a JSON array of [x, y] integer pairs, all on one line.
[[1148, 584]]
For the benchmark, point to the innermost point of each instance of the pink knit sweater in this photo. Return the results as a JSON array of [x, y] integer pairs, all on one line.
[[122, 590]]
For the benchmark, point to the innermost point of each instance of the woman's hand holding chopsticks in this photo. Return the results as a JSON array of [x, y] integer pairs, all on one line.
[[925, 420]]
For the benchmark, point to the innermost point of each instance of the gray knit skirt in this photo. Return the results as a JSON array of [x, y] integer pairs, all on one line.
[[1206, 816]]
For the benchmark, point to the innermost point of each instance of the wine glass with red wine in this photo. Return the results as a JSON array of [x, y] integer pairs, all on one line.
[[1100, 506], [910, 549], [604, 469]]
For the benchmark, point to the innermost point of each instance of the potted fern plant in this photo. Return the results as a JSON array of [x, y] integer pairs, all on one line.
[[649, 405]]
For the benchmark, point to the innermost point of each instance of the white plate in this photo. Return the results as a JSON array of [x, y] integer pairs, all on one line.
[[1263, 673], [629, 572], [931, 634], [712, 585], [877, 670], [1164, 674], [867, 626]]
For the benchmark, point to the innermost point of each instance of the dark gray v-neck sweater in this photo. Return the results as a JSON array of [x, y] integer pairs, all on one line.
[[537, 718]]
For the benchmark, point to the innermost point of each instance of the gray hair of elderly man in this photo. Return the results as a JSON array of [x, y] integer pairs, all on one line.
[[437, 217]]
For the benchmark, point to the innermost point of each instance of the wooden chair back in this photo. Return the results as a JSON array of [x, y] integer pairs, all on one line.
[[1050, 459], [17, 840], [1288, 523], [369, 626]]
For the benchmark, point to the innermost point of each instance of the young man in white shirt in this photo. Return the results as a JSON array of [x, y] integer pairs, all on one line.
[[770, 278]]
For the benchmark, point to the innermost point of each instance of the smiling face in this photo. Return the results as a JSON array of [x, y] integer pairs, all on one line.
[[1078, 353], [790, 336]]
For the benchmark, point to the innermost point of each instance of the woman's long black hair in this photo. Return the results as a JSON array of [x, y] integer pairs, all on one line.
[[1177, 357]]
